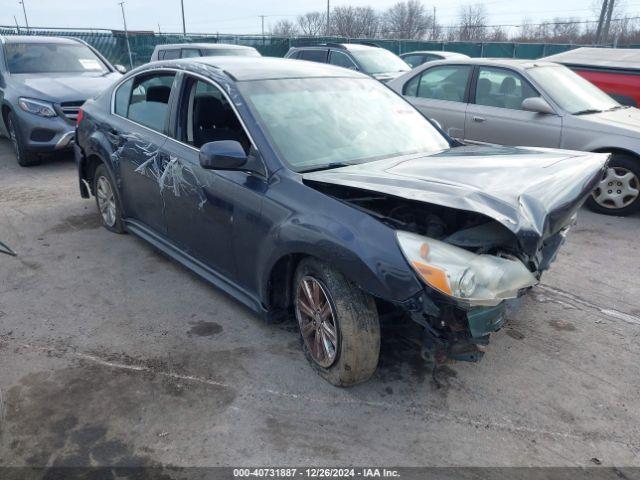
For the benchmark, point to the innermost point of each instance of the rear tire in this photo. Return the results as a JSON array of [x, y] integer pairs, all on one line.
[[107, 200], [348, 322], [24, 157], [619, 192]]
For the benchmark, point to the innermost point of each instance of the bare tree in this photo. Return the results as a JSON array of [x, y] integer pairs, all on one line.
[[498, 34], [407, 20], [473, 22], [354, 22], [284, 28], [312, 23]]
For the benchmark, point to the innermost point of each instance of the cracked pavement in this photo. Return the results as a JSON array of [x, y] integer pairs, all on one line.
[[112, 354]]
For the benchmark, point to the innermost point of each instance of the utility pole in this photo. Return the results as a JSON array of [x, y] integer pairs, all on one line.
[[607, 23], [262, 18], [184, 25], [433, 30], [603, 13], [126, 35], [328, 18], [17, 26], [24, 10]]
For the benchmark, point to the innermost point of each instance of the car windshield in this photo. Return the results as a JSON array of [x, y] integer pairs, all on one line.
[[52, 58], [569, 90], [231, 52], [379, 60], [318, 123]]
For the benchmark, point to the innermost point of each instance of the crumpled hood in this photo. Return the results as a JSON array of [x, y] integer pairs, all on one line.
[[624, 121], [65, 87], [532, 192]]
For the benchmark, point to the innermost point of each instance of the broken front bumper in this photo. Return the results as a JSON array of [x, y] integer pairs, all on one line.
[[455, 331]]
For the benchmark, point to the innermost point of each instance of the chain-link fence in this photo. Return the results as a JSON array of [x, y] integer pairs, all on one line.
[[113, 44]]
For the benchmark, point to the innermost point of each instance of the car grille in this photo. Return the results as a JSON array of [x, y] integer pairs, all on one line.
[[71, 109]]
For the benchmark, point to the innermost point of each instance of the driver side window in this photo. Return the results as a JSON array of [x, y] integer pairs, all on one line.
[[208, 117]]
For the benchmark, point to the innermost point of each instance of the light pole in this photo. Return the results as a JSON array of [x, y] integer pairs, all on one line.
[[24, 10], [184, 25], [126, 34]]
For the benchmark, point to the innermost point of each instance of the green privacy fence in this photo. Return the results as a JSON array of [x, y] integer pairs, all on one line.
[[112, 44]]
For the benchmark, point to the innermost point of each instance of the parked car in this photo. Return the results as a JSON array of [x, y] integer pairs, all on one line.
[[375, 61], [615, 71], [191, 50], [415, 59], [533, 103], [312, 189], [43, 82]]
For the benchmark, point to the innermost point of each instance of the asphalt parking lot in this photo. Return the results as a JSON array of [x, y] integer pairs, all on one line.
[[111, 354]]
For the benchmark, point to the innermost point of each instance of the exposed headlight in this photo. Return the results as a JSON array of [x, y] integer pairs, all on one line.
[[37, 107], [458, 273]]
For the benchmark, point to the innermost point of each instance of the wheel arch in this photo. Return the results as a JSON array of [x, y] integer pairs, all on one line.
[[618, 151], [6, 109]]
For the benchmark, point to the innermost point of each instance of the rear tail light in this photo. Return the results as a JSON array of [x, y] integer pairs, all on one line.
[[80, 117]]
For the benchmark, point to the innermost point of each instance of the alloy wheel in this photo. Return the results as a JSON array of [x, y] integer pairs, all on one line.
[[619, 188], [106, 201], [317, 320]]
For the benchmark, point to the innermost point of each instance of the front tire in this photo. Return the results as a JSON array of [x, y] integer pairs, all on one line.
[[338, 322], [24, 157], [619, 191], [107, 200]]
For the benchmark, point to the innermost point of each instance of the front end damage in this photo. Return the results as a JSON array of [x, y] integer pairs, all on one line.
[[478, 238]]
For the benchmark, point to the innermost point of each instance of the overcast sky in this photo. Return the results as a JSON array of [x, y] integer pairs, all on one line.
[[242, 16]]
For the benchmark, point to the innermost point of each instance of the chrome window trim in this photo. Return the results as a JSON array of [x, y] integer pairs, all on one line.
[[186, 72]]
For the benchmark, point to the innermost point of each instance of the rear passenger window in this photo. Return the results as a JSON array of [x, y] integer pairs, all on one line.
[[498, 87], [123, 95], [448, 82], [190, 53], [314, 55], [149, 100], [169, 54]]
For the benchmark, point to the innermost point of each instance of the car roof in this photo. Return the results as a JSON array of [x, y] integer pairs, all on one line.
[[625, 58], [345, 46], [437, 52], [263, 68], [39, 39], [519, 64], [211, 46]]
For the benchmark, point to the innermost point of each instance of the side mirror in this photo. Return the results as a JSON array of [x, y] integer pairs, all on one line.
[[120, 68], [223, 155], [537, 105]]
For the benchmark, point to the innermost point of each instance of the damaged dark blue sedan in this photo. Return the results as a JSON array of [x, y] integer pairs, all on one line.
[[312, 190]]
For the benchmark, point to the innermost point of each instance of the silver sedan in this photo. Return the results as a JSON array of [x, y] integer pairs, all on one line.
[[538, 104]]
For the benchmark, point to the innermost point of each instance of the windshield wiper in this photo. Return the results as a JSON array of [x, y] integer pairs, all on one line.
[[328, 166], [587, 110], [617, 107]]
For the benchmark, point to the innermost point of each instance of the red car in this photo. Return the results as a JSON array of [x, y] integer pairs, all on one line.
[[614, 70]]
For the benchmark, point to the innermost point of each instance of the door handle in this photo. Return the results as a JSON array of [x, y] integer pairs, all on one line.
[[478, 119]]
